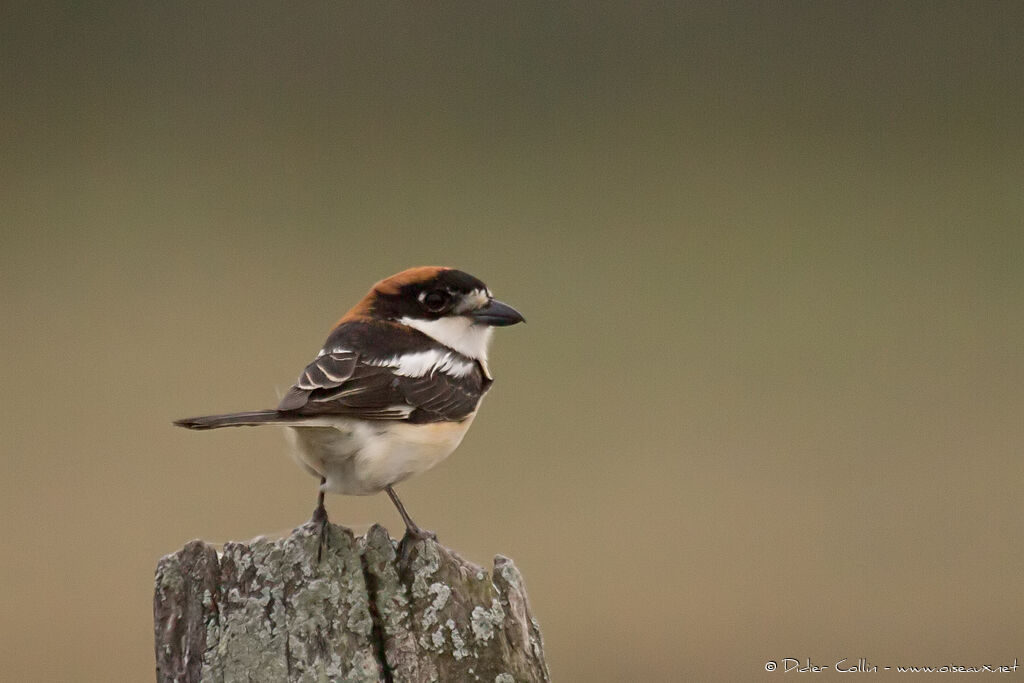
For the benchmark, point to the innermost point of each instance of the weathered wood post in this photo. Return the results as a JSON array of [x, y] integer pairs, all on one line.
[[270, 611]]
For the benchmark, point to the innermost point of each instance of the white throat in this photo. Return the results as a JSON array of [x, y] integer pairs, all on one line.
[[458, 333]]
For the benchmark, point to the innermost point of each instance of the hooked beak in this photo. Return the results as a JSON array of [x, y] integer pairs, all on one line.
[[496, 314]]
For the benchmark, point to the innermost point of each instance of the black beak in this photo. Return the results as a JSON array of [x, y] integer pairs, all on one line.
[[497, 314]]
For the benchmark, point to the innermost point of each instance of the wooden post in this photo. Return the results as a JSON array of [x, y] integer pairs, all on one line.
[[368, 610]]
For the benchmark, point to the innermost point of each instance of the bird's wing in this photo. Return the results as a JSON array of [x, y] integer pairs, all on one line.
[[425, 386]]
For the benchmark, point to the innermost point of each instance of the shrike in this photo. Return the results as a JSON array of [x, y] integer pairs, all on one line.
[[394, 388]]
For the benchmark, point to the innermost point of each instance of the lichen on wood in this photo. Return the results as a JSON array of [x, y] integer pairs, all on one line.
[[369, 609]]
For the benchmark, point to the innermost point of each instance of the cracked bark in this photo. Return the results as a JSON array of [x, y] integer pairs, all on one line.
[[368, 611]]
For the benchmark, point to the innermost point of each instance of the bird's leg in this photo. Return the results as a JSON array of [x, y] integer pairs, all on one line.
[[410, 526], [320, 512], [320, 517]]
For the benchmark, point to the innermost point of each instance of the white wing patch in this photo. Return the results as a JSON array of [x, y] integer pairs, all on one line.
[[422, 363]]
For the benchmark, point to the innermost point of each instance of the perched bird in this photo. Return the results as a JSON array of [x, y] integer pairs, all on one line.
[[394, 388]]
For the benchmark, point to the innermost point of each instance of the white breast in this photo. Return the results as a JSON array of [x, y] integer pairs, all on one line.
[[361, 457]]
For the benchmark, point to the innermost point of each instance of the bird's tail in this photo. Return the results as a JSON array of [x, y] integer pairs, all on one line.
[[247, 419]]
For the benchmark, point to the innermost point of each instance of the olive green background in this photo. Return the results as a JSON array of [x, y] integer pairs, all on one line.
[[769, 399]]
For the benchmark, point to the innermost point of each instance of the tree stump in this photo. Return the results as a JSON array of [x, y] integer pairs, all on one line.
[[369, 609]]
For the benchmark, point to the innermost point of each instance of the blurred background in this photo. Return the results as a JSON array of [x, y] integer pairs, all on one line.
[[769, 400]]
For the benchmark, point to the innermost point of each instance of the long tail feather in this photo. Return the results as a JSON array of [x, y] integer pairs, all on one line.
[[247, 419]]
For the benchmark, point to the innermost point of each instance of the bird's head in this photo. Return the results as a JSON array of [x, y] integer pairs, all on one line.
[[451, 306]]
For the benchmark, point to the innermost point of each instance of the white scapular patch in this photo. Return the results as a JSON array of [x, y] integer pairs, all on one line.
[[456, 332], [422, 363]]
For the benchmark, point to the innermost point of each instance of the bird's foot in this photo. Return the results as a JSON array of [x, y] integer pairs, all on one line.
[[413, 536], [415, 533], [320, 518], [319, 514]]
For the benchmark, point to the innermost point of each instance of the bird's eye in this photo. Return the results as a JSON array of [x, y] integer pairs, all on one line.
[[435, 300]]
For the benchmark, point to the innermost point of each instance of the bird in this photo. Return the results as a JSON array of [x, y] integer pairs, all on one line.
[[394, 388]]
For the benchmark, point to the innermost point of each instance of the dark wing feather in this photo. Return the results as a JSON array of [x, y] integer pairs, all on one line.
[[343, 383], [439, 397], [327, 372]]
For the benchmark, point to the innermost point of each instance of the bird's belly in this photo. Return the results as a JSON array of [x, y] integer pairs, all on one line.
[[363, 457]]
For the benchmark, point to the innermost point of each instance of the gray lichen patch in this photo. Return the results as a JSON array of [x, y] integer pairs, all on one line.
[[389, 595], [485, 622], [425, 564], [507, 569], [438, 638], [441, 594], [292, 617], [459, 650]]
